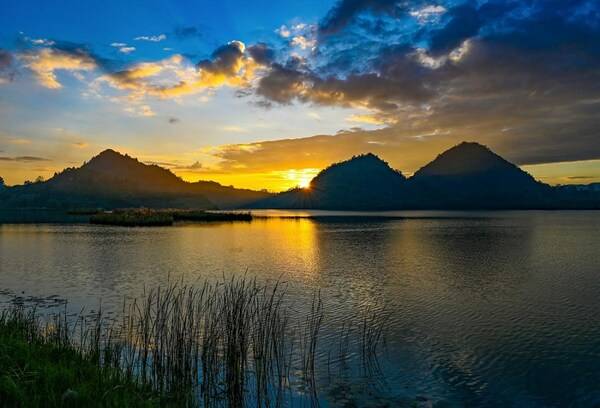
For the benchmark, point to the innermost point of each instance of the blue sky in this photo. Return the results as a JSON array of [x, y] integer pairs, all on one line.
[[264, 94]]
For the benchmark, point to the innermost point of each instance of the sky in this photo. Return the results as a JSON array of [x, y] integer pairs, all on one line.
[[264, 94]]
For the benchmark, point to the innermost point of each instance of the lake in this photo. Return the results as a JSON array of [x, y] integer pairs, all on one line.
[[485, 308]]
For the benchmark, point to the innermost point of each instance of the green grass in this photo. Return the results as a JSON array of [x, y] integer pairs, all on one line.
[[38, 372], [227, 343]]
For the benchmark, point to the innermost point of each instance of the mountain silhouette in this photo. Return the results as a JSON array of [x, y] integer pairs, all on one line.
[[363, 182], [466, 176], [470, 175], [111, 180]]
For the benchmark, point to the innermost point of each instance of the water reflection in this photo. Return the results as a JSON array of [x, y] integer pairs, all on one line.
[[485, 309]]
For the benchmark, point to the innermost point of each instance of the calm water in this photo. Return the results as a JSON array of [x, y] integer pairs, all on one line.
[[487, 309]]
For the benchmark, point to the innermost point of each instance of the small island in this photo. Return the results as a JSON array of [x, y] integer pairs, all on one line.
[[145, 217]]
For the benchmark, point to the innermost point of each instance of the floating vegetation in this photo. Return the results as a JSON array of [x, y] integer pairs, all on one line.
[[144, 217], [133, 218], [200, 215]]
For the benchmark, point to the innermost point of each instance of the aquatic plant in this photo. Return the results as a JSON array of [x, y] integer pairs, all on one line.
[[231, 343]]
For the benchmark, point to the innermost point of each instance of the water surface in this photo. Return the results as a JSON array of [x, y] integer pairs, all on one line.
[[486, 308]]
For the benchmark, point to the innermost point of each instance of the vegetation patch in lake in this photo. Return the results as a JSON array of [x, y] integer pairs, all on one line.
[[156, 218]]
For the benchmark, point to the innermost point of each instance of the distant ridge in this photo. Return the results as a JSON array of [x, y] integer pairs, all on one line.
[[112, 180]]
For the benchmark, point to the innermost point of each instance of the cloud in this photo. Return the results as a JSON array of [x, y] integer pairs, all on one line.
[[521, 77], [262, 53], [126, 50], [283, 31], [427, 13], [303, 42], [230, 65], [24, 159], [173, 120], [140, 110], [41, 41], [194, 166], [234, 129], [183, 33], [400, 78], [123, 48], [151, 38], [345, 12], [7, 72], [80, 145], [45, 62]]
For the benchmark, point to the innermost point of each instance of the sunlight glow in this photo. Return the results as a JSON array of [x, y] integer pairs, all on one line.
[[301, 177]]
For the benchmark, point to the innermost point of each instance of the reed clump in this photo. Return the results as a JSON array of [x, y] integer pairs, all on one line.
[[232, 343]]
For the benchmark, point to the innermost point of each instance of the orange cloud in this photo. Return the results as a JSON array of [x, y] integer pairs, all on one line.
[[45, 62]]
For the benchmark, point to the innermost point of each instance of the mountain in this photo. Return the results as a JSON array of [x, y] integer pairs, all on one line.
[[364, 182], [467, 176], [470, 175], [112, 180]]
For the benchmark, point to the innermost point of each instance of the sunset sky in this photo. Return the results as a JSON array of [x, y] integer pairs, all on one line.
[[264, 94]]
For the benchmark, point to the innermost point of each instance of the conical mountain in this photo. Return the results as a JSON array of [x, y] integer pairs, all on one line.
[[111, 180], [470, 175], [364, 182]]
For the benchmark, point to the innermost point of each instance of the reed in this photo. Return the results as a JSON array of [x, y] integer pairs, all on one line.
[[231, 343]]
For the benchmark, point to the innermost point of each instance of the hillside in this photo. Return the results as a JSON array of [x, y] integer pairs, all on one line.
[[363, 182], [111, 180], [466, 176], [470, 175]]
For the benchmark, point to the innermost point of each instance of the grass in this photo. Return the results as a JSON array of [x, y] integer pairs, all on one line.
[[144, 217], [36, 371], [232, 343]]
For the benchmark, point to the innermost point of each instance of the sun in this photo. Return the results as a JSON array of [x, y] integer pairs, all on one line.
[[304, 182], [301, 177]]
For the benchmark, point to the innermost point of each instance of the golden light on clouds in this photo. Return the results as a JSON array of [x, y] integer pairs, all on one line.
[[47, 61]]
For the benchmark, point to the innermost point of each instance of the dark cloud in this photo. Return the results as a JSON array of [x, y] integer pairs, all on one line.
[[225, 59], [25, 159], [173, 120], [522, 77], [397, 77], [194, 166], [7, 72], [262, 53], [465, 21], [186, 32], [345, 12]]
